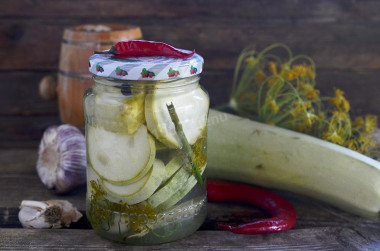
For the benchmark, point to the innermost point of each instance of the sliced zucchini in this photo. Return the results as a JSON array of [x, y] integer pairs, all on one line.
[[140, 190], [170, 188], [120, 158], [191, 107], [118, 113], [133, 113], [181, 193], [172, 167]]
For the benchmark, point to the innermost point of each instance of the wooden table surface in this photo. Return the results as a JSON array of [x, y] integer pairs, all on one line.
[[319, 226]]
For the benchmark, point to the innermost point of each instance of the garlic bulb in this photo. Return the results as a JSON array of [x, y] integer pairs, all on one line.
[[61, 162], [47, 214]]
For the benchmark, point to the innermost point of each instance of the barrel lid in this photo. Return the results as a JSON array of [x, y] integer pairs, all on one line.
[[145, 68]]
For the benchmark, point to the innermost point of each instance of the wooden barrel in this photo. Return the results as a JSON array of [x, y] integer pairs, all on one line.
[[78, 44]]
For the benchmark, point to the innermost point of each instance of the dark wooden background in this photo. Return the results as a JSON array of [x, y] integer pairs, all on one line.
[[343, 37]]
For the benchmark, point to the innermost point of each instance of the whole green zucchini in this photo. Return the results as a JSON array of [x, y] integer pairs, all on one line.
[[250, 152]]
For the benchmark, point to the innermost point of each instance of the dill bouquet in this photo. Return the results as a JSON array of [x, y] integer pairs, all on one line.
[[280, 92]]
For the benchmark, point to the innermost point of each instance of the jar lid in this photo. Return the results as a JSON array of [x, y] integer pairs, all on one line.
[[145, 68]]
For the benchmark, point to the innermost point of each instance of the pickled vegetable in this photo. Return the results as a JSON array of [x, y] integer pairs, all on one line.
[[140, 190], [117, 113], [120, 158], [141, 185], [192, 108]]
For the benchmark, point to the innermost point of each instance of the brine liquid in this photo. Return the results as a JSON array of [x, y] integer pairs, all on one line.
[[168, 226]]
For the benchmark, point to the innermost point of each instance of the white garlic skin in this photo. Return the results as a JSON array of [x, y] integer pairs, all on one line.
[[35, 214], [61, 163]]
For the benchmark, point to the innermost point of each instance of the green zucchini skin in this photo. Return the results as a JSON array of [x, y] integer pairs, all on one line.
[[250, 152]]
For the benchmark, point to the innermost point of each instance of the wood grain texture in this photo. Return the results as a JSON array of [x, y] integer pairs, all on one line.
[[327, 238], [19, 94], [35, 45], [285, 10], [24, 131]]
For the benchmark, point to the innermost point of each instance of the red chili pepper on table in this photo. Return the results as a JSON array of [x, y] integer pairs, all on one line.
[[282, 212], [142, 48]]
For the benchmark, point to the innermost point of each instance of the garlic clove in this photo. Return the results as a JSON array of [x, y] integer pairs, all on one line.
[[47, 214], [61, 163]]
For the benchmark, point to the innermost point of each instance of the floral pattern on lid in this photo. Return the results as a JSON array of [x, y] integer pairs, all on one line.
[[144, 68]]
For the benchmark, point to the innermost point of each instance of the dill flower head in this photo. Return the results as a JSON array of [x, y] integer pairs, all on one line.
[[333, 136], [282, 91], [272, 66], [340, 102], [308, 90], [273, 106], [370, 123]]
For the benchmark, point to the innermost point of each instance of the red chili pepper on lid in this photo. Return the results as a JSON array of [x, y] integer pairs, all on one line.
[[282, 212], [142, 48]]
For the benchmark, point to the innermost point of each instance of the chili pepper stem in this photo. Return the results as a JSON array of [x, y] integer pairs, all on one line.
[[110, 51], [185, 144]]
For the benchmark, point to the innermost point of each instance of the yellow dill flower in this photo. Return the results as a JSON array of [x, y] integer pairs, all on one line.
[[352, 144], [272, 81], [333, 136], [273, 68], [273, 106], [285, 66], [250, 61], [345, 105], [301, 107], [339, 101], [260, 76], [358, 123], [309, 90], [311, 72], [310, 118], [370, 123], [300, 70], [288, 75], [340, 115], [366, 143]]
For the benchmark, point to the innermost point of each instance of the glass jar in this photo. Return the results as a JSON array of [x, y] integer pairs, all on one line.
[[145, 169]]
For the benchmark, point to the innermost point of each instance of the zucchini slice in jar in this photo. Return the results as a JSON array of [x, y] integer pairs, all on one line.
[[140, 190], [179, 177], [191, 107], [120, 158], [181, 193], [118, 113]]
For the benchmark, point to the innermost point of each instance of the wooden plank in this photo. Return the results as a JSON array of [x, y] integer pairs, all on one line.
[[20, 96], [18, 170], [24, 130], [288, 10], [35, 45], [327, 238]]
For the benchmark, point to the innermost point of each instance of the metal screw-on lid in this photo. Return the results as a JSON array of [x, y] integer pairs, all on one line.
[[145, 68]]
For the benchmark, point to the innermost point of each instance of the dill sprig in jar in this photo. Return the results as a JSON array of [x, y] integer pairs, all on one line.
[[146, 126]]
